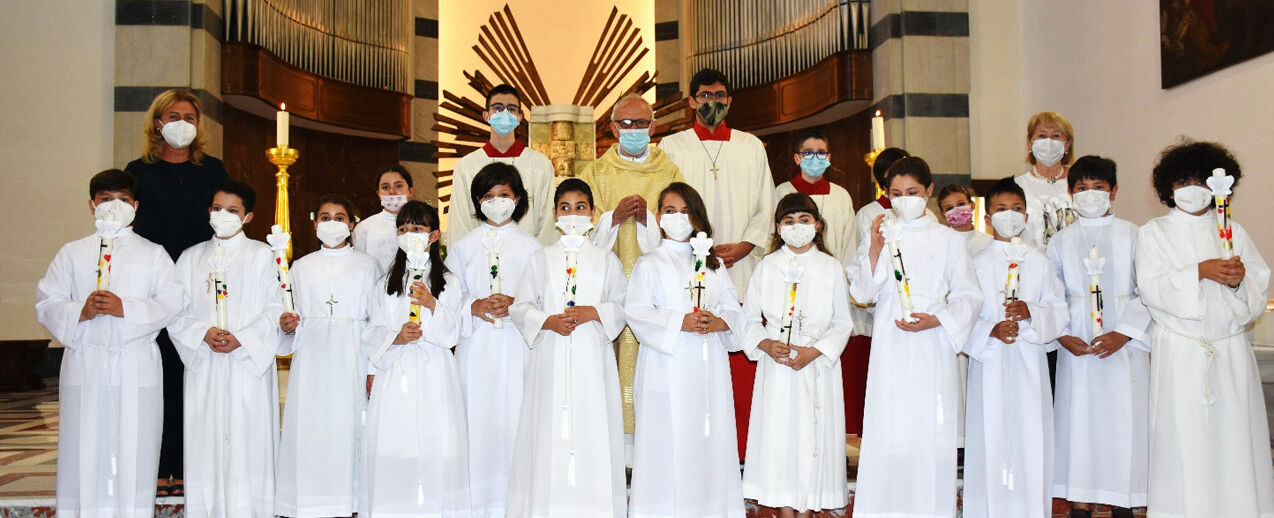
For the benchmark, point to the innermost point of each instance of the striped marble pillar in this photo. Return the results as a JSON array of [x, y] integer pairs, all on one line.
[[920, 60], [416, 153], [668, 52], [163, 44]]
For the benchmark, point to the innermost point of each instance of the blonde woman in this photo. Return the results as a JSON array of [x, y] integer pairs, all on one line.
[[1050, 141], [175, 180]]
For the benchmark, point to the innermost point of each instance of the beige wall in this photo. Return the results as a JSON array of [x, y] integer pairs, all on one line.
[[1098, 63], [56, 98]]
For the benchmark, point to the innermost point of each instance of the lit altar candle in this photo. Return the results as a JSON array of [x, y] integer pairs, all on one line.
[[278, 240], [416, 261], [877, 132], [893, 234], [1015, 258], [1094, 264], [281, 126], [1220, 183], [492, 243], [220, 262]]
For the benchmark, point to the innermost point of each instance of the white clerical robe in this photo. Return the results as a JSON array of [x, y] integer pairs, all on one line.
[[568, 458], [537, 177], [377, 236], [231, 399], [1008, 454], [739, 195], [1042, 195], [685, 456], [796, 437], [974, 242], [333, 289], [1101, 405], [415, 447], [110, 398], [491, 361], [908, 462], [1209, 439], [840, 231]]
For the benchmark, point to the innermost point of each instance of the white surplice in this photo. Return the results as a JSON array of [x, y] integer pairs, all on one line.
[[333, 289], [109, 390], [1040, 194], [840, 230], [796, 437], [537, 175], [377, 236], [908, 462], [1209, 440], [739, 196], [864, 314], [231, 399], [1008, 454], [491, 361], [415, 448], [974, 241], [685, 456], [1101, 405], [568, 458]]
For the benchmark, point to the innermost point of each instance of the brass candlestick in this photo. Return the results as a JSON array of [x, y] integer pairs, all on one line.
[[282, 158], [870, 158]]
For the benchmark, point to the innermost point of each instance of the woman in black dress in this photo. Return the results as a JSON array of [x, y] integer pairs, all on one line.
[[176, 181]]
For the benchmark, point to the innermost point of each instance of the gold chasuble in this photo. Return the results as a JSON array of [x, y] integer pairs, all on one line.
[[612, 179]]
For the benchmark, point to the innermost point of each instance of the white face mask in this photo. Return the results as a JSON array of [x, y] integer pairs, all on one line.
[[909, 208], [332, 233], [393, 202], [224, 224], [407, 242], [574, 225], [676, 225], [113, 215], [1192, 198], [1092, 203], [179, 134], [797, 235], [1048, 152], [498, 210], [1008, 223]]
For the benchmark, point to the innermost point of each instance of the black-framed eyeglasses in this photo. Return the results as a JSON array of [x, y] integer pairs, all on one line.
[[498, 107], [633, 123], [704, 97], [807, 153]]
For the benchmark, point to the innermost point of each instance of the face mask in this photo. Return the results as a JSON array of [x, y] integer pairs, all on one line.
[[815, 165], [797, 235], [574, 225], [1047, 151], [498, 210], [1192, 198], [676, 225], [1092, 203], [179, 134], [407, 242], [503, 123], [712, 112], [117, 212], [634, 141], [908, 208], [393, 202], [224, 224], [332, 233], [959, 216], [1008, 223]]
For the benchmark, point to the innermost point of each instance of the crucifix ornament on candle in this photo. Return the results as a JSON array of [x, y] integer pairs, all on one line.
[[492, 243], [892, 233], [279, 242], [1221, 185], [1095, 263]]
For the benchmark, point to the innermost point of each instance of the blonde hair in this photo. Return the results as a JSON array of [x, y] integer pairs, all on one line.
[[1055, 119], [153, 140]]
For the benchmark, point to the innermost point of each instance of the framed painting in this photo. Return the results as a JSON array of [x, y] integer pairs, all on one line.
[[1198, 37]]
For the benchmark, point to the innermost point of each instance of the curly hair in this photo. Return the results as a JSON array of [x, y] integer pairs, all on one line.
[[1190, 160]]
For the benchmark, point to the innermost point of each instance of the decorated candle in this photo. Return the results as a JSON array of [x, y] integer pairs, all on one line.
[[1011, 288], [278, 240], [1221, 183], [105, 251], [492, 243], [220, 261], [893, 236], [1094, 264]]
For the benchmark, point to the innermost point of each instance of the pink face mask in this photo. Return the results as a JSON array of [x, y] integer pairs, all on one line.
[[959, 216]]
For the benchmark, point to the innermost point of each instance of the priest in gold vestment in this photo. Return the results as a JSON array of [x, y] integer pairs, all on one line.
[[626, 181]]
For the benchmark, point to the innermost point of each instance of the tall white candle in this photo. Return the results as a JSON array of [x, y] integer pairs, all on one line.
[[1094, 265], [278, 240], [219, 278], [281, 126], [892, 237], [1015, 258], [877, 132], [1220, 183], [492, 244]]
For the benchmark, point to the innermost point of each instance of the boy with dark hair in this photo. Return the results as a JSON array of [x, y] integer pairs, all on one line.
[[105, 298], [227, 337]]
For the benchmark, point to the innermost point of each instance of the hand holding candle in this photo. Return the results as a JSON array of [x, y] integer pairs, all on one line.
[[492, 243], [279, 240], [1221, 183], [1094, 264]]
